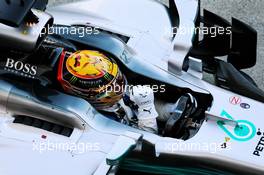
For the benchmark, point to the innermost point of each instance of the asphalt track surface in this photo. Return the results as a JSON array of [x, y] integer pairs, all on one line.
[[249, 11]]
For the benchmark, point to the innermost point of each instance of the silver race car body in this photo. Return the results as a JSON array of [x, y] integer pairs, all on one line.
[[230, 138]]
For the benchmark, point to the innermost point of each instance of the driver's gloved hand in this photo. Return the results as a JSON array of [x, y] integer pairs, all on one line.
[[143, 98]]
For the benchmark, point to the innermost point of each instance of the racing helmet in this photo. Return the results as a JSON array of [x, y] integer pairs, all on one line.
[[93, 76]]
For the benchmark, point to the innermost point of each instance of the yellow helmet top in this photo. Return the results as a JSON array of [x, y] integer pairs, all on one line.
[[89, 64]]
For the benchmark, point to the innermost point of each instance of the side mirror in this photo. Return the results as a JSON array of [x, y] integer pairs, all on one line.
[[243, 52]]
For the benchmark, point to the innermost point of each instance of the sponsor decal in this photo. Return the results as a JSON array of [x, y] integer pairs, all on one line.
[[244, 131], [43, 136], [18, 67], [259, 132], [225, 144], [235, 100], [260, 146], [245, 106], [126, 57]]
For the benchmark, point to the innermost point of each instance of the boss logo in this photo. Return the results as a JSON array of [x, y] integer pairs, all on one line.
[[21, 67]]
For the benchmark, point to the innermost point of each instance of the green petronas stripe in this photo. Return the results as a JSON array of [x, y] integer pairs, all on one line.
[[143, 167]]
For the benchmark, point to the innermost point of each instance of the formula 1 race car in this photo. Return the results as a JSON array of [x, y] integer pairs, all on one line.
[[127, 87]]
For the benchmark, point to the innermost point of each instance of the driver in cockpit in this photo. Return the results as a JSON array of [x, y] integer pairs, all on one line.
[[97, 78]]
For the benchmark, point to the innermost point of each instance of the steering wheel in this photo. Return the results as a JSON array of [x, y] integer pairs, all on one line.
[[185, 106]]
